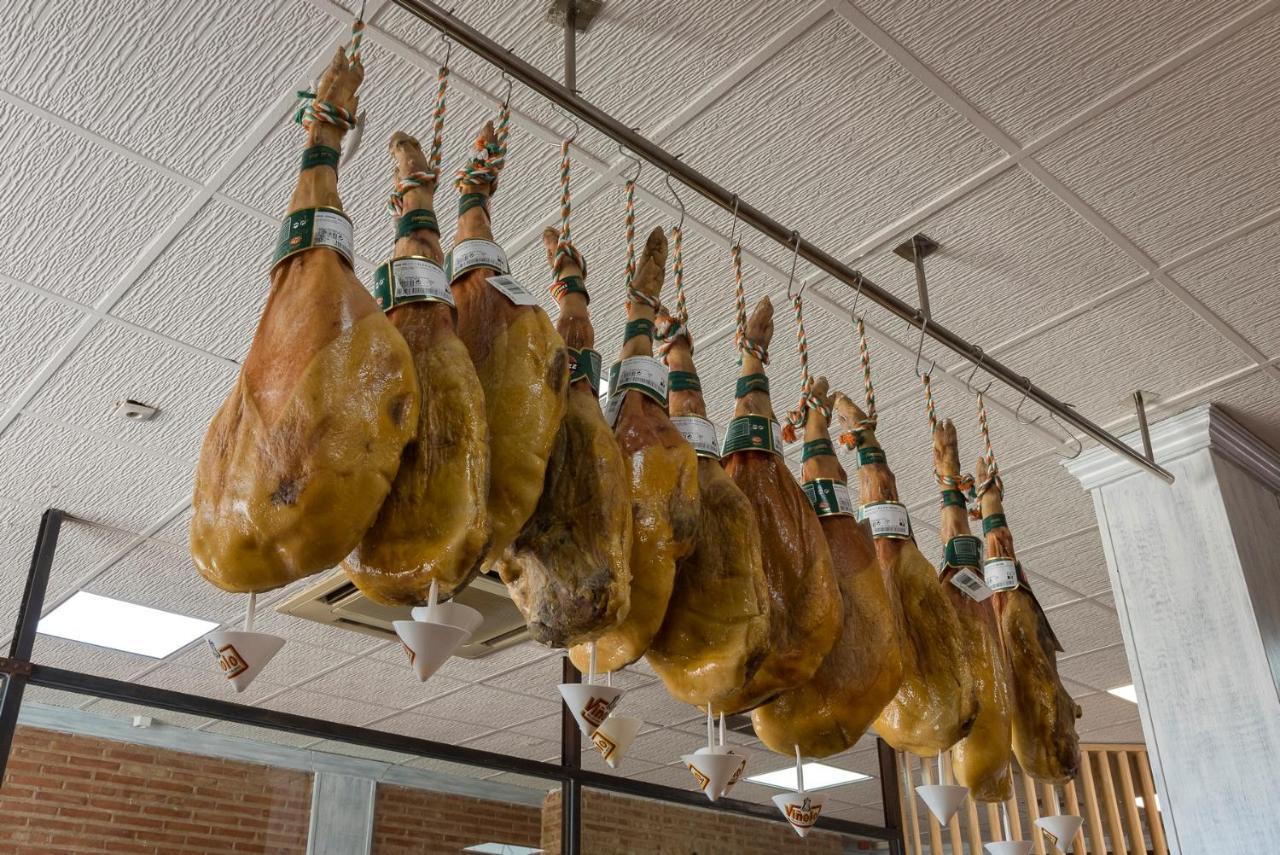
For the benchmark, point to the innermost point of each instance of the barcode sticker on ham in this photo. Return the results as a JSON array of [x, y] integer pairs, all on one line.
[[1001, 574], [513, 290], [828, 497], [643, 374], [313, 227], [406, 280], [700, 433], [971, 583], [470, 254], [888, 519]]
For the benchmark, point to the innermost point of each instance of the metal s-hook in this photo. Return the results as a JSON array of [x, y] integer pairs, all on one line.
[[1071, 437], [1018, 411], [795, 256], [448, 48], [637, 161], [506, 99], [733, 227], [857, 297], [920, 349], [573, 135], [679, 201], [968, 383]]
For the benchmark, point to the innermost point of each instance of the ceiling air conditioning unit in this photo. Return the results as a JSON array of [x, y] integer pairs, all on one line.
[[337, 602]]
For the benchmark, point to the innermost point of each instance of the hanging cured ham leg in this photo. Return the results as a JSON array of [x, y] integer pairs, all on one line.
[[434, 525], [519, 357], [935, 706], [663, 472], [805, 610], [1043, 712], [716, 632], [298, 459], [862, 672], [981, 759], [569, 569]]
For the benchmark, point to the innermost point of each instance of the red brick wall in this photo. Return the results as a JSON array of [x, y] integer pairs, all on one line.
[[65, 793], [418, 822], [614, 823]]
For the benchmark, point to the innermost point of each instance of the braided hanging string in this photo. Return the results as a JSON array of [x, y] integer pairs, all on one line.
[[962, 482], [993, 480], [395, 204], [808, 401], [678, 322], [488, 158], [849, 438], [745, 345], [566, 252], [313, 110], [632, 294]]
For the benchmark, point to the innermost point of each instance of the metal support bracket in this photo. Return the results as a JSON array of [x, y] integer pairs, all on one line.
[[916, 250], [14, 667], [582, 13], [1140, 405]]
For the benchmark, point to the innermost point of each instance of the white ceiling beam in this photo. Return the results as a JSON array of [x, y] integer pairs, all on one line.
[[1015, 150]]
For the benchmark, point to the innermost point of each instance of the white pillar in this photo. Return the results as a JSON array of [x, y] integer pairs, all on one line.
[[342, 809], [1195, 569]]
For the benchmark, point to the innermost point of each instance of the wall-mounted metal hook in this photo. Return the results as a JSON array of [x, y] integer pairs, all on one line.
[[679, 201], [795, 256], [1017, 413]]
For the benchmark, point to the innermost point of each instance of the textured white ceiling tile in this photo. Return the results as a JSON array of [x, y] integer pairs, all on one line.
[[88, 658], [426, 727], [92, 478], [833, 139], [177, 84], [259, 734], [538, 678], [629, 766], [77, 250], [1144, 340], [115, 363], [34, 329], [126, 711], [1189, 157], [655, 706], [516, 745], [163, 577], [1084, 626], [178, 530], [51, 697], [1077, 562], [1101, 670], [475, 670], [346, 749], [1042, 502], [1103, 710], [547, 727], [665, 746], [1030, 67], [295, 663], [327, 707], [487, 706], [1238, 283], [387, 684], [209, 286], [1125, 732], [205, 679]]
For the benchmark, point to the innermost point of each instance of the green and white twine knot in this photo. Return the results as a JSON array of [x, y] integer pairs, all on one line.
[[745, 344], [993, 480]]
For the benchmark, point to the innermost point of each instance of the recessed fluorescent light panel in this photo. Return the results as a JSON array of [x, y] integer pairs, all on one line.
[[817, 776], [1128, 693], [122, 626]]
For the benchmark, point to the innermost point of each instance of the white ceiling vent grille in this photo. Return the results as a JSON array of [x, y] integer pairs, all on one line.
[[337, 602]]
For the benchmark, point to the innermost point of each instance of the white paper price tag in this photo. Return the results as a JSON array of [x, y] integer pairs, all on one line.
[[613, 406], [471, 254], [333, 229], [644, 373], [1000, 574], [777, 437], [513, 290], [888, 519], [417, 278], [700, 433], [969, 582]]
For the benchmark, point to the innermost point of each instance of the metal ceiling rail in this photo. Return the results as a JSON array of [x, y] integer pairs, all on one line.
[[495, 54]]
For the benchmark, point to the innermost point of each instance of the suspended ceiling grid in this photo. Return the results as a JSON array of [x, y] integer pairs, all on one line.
[[1099, 175]]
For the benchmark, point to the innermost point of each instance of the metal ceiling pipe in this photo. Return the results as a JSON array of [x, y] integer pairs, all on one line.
[[548, 88]]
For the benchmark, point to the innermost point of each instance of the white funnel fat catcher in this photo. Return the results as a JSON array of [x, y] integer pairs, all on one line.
[[614, 737], [943, 799], [589, 704], [801, 810], [436, 631], [242, 654], [429, 645], [1010, 847], [712, 770], [1061, 830], [737, 773]]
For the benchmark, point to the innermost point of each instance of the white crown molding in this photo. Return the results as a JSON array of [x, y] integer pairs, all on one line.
[[1205, 426]]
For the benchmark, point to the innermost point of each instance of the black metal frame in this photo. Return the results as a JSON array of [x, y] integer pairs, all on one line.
[[19, 671]]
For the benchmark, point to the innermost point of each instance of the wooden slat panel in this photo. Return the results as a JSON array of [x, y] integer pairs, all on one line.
[[906, 761], [1155, 823], [1073, 808], [993, 822], [1111, 804], [975, 829], [948, 777], [1092, 816], [1033, 813], [1015, 817], [1129, 799], [935, 829]]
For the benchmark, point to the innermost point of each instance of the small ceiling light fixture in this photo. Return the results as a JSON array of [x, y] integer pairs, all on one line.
[[105, 622], [136, 411], [817, 776], [1126, 693]]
